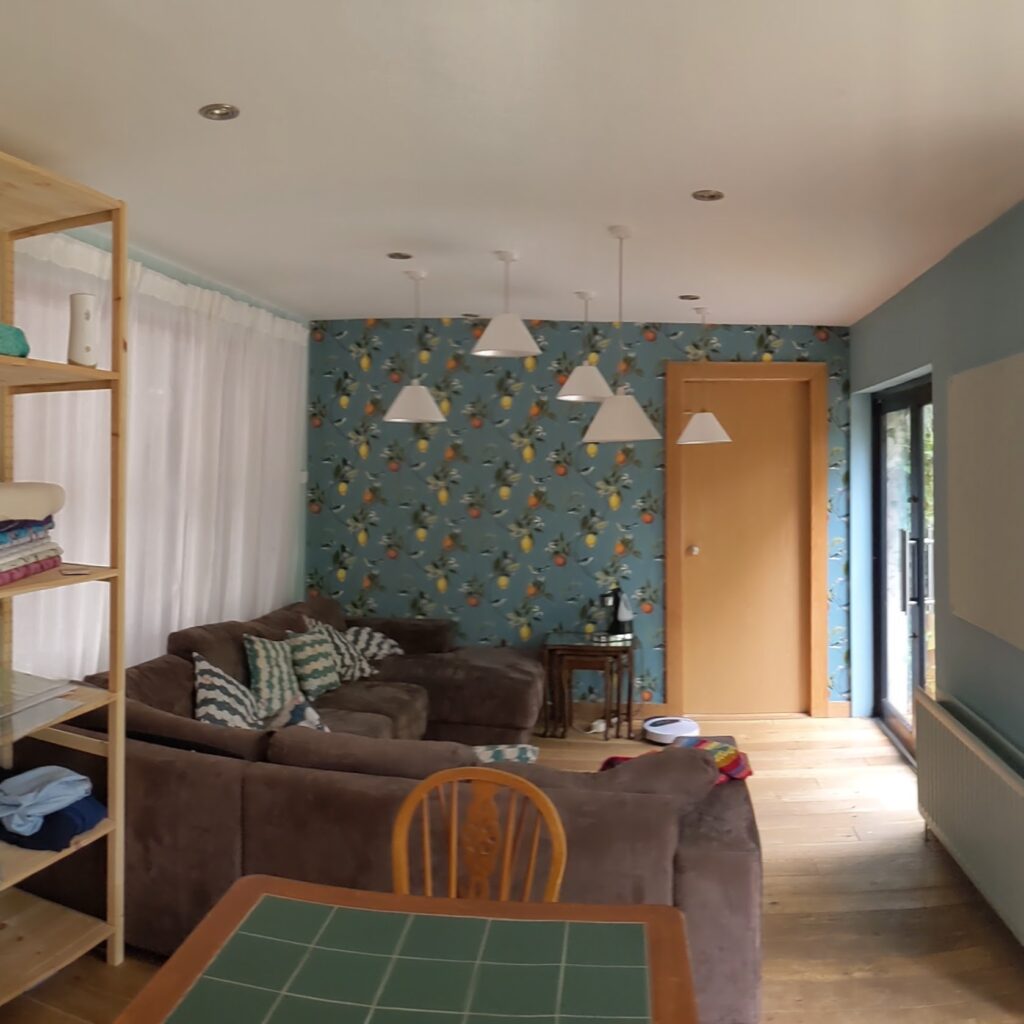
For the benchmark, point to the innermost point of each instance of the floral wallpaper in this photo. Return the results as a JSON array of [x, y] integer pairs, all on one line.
[[500, 518]]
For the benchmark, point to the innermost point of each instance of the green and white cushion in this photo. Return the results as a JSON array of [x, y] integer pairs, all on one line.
[[272, 678], [221, 700], [506, 753], [314, 662], [351, 664]]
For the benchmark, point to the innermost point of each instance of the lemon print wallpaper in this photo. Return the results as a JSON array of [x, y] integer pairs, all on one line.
[[500, 518]]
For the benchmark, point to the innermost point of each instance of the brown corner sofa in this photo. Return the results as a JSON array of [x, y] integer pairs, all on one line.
[[207, 804]]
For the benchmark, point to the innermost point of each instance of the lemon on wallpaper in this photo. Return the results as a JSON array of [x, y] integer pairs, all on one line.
[[530, 364], [506, 402], [614, 501], [343, 401], [341, 574], [442, 495], [362, 537], [590, 540], [364, 450], [525, 633], [592, 450], [504, 492], [526, 545], [365, 363], [343, 488], [528, 453], [593, 358], [502, 582], [442, 585]]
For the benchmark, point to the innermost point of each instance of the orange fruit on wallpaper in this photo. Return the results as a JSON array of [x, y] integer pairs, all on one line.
[[621, 457], [451, 363], [473, 511], [394, 466], [821, 334], [562, 378], [315, 422], [314, 508], [448, 543], [534, 411], [392, 553], [533, 501], [647, 517], [650, 335], [477, 332], [472, 600], [394, 376], [646, 696], [646, 607], [449, 453], [370, 321], [559, 560], [531, 589], [620, 548], [317, 335], [369, 408], [367, 582], [476, 423], [367, 496], [561, 469], [313, 592]]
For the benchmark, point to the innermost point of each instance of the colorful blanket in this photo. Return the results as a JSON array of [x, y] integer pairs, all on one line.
[[13, 575], [24, 554], [18, 531], [731, 763]]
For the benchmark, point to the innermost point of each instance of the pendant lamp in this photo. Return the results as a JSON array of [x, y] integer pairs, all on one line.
[[703, 427], [621, 418], [414, 403], [586, 383], [506, 336]]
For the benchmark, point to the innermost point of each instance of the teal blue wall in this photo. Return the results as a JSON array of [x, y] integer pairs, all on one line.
[[500, 518], [967, 310]]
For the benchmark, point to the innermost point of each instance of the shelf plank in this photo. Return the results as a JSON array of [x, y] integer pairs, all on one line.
[[38, 938], [17, 864], [30, 196], [43, 716], [56, 578], [44, 373]]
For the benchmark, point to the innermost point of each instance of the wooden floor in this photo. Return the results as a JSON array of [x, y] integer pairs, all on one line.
[[865, 922]]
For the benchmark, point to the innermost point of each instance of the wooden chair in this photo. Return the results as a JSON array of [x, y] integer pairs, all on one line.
[[483, 839]]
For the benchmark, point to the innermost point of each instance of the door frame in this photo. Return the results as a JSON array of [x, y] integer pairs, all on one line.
[[912, 395], [815, 375]]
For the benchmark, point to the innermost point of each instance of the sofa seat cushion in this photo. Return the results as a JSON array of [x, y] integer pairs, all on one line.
[[354, 723], [404, 703], [494, 686], [403, 759], [166, 683]]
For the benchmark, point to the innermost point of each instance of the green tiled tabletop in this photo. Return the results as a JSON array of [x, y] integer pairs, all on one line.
[[297, 961]]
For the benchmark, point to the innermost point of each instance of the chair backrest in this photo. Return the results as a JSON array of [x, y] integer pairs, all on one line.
[[480, 826]]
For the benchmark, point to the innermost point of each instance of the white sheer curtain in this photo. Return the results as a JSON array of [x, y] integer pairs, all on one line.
[[216, 431]]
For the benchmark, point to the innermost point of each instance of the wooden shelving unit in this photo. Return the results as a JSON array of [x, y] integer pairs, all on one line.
[[37, 936]]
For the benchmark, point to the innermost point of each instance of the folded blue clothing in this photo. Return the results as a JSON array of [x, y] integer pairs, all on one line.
[[26, 798], [60, 827], [18, 529]]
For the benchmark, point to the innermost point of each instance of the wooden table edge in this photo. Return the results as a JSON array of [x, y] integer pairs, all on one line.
[[668, 955]]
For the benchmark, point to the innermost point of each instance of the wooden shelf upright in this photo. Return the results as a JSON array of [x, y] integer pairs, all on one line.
[[38, 937]]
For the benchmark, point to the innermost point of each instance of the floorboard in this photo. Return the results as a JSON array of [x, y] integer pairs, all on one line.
[[865, 920]]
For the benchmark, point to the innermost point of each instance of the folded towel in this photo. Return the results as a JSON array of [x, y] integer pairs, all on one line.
[[36, 551], [23, 534], [30, 500], [26, 798], [12, 341], [7, 525], [59, 828], [32, 569]]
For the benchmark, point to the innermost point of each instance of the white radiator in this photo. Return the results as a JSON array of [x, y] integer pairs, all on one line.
[[974, 803]]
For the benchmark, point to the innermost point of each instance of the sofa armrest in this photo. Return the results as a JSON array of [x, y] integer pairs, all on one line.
[[415, 636]]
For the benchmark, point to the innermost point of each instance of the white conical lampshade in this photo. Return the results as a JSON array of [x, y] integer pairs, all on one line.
[[620, 418], [585, 384], [414, 404], [506, 336], [703, 428]]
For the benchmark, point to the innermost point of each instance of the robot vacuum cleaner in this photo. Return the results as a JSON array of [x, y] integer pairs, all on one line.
[[666, 730]]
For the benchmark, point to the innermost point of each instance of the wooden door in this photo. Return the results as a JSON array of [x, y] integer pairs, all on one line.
[[745, 541]]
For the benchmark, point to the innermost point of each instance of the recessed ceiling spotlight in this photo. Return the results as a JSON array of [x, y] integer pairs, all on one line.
[[219, 111], [399, 255], [690, 298], [708, 195], [470, 316]]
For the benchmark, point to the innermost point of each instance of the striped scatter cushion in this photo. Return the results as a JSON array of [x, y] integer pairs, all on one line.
[[351, 663], [506, 753], [373, 646], [272, 677], [220, 700], [314, 662]]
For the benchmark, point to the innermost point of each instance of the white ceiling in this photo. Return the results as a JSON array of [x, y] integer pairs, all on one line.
[[857, 142]]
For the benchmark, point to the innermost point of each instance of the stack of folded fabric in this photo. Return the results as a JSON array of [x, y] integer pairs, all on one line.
[[26, 519], [45, 808]]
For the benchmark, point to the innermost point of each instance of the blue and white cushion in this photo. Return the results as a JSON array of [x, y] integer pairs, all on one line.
[[314, 662], [271, 676], [221, 700], [298, 711], [351, 663], [373, 646], [506, 753]]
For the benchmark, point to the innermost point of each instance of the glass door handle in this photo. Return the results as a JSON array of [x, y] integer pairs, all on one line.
[[913, 560], [904, 570]]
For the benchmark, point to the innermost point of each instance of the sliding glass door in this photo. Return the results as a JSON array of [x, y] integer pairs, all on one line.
[[904, 554]]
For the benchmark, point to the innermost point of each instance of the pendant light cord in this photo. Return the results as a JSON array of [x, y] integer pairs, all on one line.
[[507, 265], [416, 301], [622, 243]]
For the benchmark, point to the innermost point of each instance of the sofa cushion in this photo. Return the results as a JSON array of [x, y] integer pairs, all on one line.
[[323, 609], [220, 700], [314, 662], [403, 703], [495, 686], [166, 683], [357, 723], [687, 776], [220, 643], [271, 676], [405, 759], [152, 725], [371, 644], [348, 659]]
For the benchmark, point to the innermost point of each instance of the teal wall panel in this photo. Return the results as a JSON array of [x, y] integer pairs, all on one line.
[[500, 518]]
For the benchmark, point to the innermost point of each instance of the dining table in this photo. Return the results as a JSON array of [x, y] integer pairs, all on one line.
[[279, 951]]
